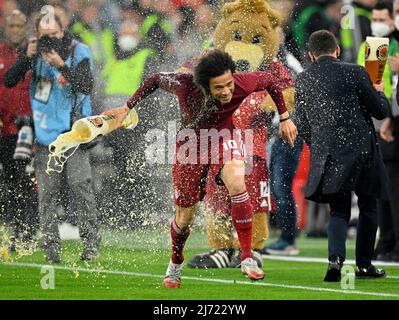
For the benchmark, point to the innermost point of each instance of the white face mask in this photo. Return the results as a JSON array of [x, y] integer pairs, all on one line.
[[127, 42], [397, 22], [379, 29]]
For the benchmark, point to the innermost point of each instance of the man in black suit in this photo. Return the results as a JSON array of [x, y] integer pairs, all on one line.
[[334, 105]]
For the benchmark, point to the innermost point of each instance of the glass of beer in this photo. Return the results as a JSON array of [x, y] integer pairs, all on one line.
[[376, 57]]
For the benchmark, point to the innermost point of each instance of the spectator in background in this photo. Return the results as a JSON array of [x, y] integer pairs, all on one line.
[[284, 161], [388, 211], [59, 91], [157, 29], [6, 7], [88, 29], [128, 62], [315, 15], [20, 204], [30, 6], [382, 25], [130, 10], [62, 11], [195, 31], [357, 29]]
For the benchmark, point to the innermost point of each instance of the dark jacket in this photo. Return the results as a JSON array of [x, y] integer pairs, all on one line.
[[390, 150], [334, 105]]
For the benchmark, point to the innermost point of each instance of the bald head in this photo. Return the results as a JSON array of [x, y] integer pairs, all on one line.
[[16, 28], [16, 14]]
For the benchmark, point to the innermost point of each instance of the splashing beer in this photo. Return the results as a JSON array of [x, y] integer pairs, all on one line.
[[83, 131], [376, 57]]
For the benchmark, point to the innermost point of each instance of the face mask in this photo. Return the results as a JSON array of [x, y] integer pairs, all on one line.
[[397, 22], [127, 43], [379, 29]]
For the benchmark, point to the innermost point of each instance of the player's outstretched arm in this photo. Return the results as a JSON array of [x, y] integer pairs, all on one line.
[[170, 82]]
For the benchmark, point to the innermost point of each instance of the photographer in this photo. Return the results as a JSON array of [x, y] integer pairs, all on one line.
[[59, 91], [18, 198]]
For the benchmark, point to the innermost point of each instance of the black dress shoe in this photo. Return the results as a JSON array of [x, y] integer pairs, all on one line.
[[334, 269], [370, 273]]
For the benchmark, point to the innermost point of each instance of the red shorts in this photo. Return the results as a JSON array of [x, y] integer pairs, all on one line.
[[217, 197], [192, 166]]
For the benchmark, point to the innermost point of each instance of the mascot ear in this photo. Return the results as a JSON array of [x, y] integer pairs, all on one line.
[[274, 17], [258, 6], [230, 7]]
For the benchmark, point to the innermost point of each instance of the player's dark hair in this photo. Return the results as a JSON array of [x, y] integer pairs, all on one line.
[[212, 65], [385, 4], [322, 42]]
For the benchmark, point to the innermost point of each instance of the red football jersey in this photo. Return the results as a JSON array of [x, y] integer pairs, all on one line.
[[199, 111]]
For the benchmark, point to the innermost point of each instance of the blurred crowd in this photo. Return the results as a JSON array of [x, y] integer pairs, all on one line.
[[130, 39]]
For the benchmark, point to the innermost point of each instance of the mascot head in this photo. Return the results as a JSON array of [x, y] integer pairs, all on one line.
[[249, 32]]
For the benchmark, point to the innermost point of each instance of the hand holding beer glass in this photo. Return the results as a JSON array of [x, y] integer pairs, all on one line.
[[376, 57]]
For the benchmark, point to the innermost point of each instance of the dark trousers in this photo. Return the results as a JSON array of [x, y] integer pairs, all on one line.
[[18, 203], [366, 229], [388, 213], [283, 164]]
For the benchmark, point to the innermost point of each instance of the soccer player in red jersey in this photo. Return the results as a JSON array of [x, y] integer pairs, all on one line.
[[251, 119], [208, 98], [250, 115]]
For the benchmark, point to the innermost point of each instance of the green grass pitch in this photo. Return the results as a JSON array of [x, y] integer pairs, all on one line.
[[132, 265]]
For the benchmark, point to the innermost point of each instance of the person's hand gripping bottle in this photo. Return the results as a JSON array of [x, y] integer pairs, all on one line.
[[83, 131]]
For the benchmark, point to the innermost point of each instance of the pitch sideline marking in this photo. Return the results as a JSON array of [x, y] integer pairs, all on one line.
[[224, 281], [325, 260]]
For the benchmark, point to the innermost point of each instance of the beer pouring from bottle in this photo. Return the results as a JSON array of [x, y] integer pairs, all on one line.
[[84, 131], [377, 50]]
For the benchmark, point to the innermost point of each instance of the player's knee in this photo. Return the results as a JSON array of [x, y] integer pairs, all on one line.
[[185, 216], [236, 187], [234, 180], [233, 177]]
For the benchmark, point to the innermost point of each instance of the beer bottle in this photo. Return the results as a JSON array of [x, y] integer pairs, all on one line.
[[377, 51], [87, 129]]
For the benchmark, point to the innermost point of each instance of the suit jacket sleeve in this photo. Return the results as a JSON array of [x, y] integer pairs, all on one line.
[[300, 114], [376, 103]]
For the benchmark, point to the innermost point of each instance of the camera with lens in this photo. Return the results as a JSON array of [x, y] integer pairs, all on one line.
[[45, 44], [23, 149]]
